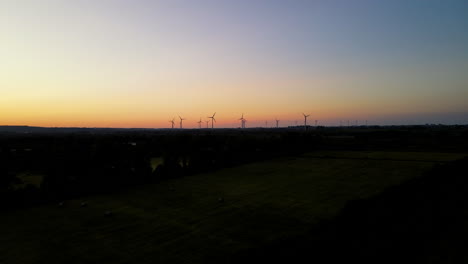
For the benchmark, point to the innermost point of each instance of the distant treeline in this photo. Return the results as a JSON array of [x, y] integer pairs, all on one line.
[[77, 164]]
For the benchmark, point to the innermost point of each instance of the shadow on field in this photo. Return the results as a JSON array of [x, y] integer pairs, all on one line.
[[424, 220]]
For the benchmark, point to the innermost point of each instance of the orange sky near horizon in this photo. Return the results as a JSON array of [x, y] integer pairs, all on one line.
[[139, 64]]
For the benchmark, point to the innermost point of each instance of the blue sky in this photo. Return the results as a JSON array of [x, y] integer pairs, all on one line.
[[139, 63]]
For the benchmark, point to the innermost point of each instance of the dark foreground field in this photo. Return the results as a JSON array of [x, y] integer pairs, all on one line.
[[250, 212]]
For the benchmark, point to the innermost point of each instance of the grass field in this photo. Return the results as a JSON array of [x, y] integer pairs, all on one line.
[[182, 220]]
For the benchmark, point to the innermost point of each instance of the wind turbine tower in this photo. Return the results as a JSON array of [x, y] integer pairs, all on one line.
[[305, 120], [277, 121], [181, 119], [212, 119], [199, 123], [242, 121], [172, 122]]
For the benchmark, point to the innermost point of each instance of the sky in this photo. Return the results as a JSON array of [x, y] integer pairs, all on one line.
[[140, 63]]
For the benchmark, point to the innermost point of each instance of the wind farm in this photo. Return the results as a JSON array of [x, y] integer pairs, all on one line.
[[262, 124], [241, 119]]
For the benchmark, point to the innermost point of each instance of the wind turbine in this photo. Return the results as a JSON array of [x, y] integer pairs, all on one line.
[[212, 119], [181, 119], [277, 121], [242, 121], [207, 121], [172, 121], [199, 123], [305, 119]]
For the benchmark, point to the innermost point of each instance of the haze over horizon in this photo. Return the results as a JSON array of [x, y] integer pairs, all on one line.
[[116, 63]]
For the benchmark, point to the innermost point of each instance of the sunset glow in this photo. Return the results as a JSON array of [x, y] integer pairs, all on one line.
[[142, 63]]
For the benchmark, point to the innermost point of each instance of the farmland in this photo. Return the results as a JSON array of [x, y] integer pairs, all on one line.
[[207, 217]]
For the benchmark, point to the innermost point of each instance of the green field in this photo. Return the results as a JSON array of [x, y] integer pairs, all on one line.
[[182, 221]]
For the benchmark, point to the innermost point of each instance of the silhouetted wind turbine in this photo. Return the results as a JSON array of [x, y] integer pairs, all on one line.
[[305, 119], [212, 119], [207, 121], [277, 121], [199, 123], [242, 121], [181, 119], [172, 121]]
